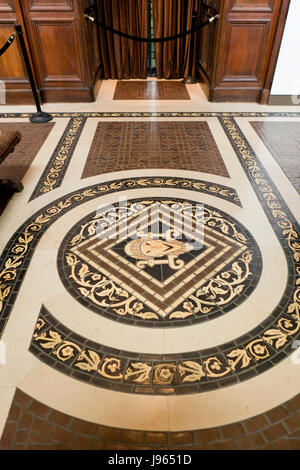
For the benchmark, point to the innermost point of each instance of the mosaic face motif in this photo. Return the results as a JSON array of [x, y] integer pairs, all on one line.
[[153, 262], [149, 250]]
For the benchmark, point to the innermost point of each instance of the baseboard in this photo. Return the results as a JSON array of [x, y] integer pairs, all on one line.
[[67, 95], [235, 95]]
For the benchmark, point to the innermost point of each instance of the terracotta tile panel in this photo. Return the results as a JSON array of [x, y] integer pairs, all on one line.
[[283, 141], [70, 433], [17, 163], [133, 145]]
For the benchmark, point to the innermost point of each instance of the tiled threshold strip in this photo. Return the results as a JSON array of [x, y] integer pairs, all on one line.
[[57, 166], [231, 363]]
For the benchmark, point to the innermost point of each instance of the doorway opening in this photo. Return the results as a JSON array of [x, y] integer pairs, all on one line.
[[151, 66], [124, 58]]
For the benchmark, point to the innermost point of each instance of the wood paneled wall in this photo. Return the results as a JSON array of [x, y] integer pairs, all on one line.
[[63, 46], [12, 69], [238, 56]]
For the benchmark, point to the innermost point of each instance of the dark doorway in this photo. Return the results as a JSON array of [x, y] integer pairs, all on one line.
[[128, 59], [151, 48]]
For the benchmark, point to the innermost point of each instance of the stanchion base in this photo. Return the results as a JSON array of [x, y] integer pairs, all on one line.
[[190, 81], [40, 117]]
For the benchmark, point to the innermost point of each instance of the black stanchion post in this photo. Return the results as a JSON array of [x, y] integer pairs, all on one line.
[[190, 80], [39, 116]]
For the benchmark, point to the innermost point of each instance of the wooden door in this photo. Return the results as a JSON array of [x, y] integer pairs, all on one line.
[[246, 45], [63, 47], [58, 36], [207, 52]]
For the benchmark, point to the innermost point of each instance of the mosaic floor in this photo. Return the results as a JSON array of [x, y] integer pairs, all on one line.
[[149, 281]]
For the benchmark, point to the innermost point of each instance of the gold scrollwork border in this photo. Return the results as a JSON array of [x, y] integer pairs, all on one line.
[[56, 168], [160, 374], [157, 114]]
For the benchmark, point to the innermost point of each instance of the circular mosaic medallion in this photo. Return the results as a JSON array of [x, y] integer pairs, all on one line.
[[159, 262]]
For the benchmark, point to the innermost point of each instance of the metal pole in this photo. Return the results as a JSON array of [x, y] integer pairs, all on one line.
[[190, 80], [39, 116]]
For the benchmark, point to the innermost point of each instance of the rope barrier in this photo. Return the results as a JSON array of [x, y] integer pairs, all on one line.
[[7, 44], [141, 39]]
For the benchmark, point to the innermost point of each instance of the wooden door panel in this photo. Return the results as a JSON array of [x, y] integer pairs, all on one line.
[[247, 46], [207, 45], [255, 5], [7, 5], [11, 64], [58, 51], [58, 37], [208, 39], [12, 67], [246, 51], [50, 5]]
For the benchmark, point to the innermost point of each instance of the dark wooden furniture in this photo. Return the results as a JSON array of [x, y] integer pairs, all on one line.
[[8, 142], [63, 47], [238, 55]]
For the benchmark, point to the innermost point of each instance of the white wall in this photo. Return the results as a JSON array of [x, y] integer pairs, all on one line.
[[287, 75]]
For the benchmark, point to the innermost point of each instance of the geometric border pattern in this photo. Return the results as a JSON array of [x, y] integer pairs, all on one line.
[[158, 114]]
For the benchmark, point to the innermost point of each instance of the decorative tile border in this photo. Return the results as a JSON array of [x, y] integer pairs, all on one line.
[[19, 250], [164, 114], [280, 217], [195, 372], [57, 166]]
